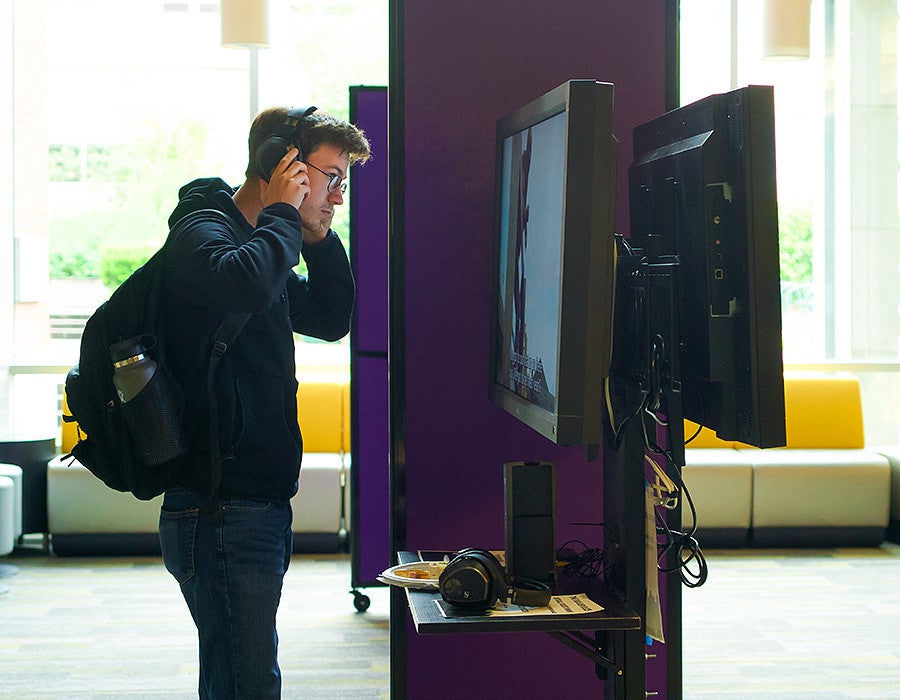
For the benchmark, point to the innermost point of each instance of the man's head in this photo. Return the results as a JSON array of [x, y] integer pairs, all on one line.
[[315, 130]]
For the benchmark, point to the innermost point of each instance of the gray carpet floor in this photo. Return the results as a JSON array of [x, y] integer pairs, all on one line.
[[118, 627], [772, 624], [810, 625]]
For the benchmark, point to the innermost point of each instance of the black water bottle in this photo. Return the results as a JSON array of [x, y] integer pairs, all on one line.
[[133, 368], [152, 402]]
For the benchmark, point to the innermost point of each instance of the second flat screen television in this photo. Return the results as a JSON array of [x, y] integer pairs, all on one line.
[[703, 190], [554, 271]]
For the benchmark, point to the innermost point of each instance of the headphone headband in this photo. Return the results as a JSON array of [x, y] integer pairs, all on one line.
[[292, 120]]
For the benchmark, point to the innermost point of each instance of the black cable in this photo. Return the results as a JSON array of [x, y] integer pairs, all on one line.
[[588, 562], [683, 546], [694, 436]]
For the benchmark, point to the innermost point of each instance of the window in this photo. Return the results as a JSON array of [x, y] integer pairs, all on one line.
[[114, 105], [837, 159]]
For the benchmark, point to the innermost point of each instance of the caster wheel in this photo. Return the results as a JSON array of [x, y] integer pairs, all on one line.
[[361, 601]]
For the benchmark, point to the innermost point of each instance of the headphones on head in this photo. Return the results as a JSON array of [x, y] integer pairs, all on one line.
[[475, 580], [273, 148]]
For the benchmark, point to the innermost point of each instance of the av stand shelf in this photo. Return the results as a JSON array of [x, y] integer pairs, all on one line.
[[569, 629], [428, 619]]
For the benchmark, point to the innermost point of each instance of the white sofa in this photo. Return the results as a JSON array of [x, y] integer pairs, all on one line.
[[825, 488], [87, 518]]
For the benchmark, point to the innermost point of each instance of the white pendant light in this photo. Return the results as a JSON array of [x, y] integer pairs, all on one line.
[[245, 24], [786, 29]]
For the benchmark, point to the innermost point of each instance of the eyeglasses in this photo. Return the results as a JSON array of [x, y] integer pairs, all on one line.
[[334, 180]]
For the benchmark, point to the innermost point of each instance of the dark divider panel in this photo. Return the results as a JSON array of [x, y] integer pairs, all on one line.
[[369, 484], [456, 69]]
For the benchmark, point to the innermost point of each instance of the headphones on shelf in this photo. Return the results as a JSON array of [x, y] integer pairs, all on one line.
[[475, 580], [284, 139]]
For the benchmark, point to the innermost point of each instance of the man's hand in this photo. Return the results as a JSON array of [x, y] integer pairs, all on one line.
[[289, 182]]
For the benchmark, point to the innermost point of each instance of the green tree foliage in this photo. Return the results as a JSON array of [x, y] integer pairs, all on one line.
[[118, 262], [795, 245], [131, 189], [122, 194]]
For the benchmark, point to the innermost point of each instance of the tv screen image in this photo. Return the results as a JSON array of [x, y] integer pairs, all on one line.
[[554, 261], [529, 369]]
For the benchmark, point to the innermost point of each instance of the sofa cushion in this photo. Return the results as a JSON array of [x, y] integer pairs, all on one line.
[[704, 438], [893, 455], [323, 411], [823, 411], [317, 503], [819, 488], [720, 482], [78, 502]]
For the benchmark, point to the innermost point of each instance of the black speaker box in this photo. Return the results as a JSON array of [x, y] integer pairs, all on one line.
[[529, 502]]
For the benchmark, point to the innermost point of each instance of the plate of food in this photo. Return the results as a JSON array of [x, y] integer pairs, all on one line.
[[417, 574]]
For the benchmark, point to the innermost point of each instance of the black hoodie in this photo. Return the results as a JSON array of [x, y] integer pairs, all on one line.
[[213, 269]]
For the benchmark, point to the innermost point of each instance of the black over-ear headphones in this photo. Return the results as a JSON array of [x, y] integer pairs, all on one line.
[[475, 580], [273, 148]]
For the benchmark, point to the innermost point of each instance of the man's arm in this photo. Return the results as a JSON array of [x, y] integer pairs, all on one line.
[[322, 304]]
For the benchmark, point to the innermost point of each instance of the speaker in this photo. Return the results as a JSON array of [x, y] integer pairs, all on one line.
[[284, 139], [529, 504], [475, 580]]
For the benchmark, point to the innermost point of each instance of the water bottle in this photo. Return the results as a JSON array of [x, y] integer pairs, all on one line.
[[132, 368], [152, 402]]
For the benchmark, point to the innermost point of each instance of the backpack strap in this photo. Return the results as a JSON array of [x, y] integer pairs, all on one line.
[[225, 333]]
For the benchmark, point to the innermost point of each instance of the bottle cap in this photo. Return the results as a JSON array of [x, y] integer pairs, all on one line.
[[131, 348]]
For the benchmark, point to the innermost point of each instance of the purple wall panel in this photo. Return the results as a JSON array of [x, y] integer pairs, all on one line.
[[369, 209], [369, 480], [466, 65], [372, 514]]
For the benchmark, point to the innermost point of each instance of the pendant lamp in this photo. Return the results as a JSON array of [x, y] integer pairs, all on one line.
[[245, 24], [786, 29]]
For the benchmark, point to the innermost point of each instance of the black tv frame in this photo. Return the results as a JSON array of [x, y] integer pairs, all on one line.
[[585, 281], [703, 198]]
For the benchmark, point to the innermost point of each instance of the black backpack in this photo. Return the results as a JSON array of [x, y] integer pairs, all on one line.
[[138, 445]]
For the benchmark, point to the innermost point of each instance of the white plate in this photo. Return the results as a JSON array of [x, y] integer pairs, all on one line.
[[417, 574]]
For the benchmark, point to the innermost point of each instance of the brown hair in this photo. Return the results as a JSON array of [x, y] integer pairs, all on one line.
[[316, 129]]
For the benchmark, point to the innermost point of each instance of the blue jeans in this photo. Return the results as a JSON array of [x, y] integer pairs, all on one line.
[[230, 563]]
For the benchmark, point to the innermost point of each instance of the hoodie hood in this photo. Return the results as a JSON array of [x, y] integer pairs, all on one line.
[[205, 193]]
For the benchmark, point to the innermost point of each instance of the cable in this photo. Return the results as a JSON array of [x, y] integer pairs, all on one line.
[[685, 550], [690, 562], [588, 562], [694, 436]]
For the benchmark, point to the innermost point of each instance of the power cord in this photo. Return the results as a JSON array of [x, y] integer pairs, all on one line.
[[583, 562], [682, 547]]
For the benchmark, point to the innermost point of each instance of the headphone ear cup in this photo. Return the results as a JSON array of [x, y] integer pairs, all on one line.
[[475, 580], [467, 583], [270, 152], [273, 148], [498, 575]]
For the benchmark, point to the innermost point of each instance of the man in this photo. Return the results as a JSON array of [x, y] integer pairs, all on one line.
[[228, 544]]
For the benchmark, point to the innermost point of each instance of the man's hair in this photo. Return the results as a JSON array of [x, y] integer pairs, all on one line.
[[315, 130]]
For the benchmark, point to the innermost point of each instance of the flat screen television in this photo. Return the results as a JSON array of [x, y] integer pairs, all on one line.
[[554, 261], [702, 192]]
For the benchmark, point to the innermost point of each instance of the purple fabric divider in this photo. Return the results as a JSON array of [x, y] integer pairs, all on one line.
[[465, 66], [371, 516], [369, 224], [370, 486]]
